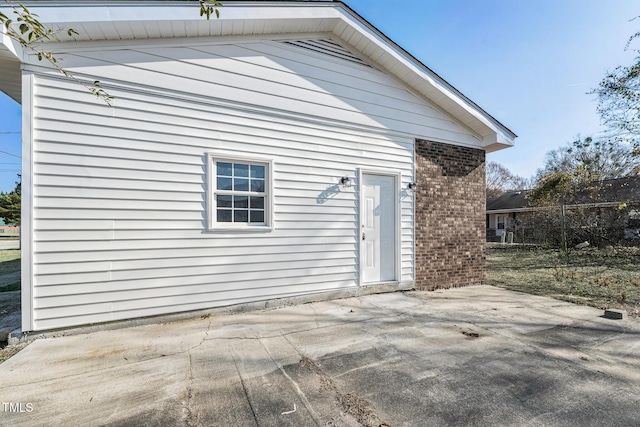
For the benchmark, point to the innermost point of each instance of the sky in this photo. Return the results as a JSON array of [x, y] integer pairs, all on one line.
[[528, 63]]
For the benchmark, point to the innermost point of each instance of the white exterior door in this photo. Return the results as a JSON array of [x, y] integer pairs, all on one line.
[[501, 224], [378, 229]]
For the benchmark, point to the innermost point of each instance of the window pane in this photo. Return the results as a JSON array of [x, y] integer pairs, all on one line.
[[234, 182], [257, 202], [240, 216], [224, 215], [223, 184], [257, 171], [240, 202], [240, 170], [223, 201], [257, 185], [240, 184], [223, 169], [257, 216]]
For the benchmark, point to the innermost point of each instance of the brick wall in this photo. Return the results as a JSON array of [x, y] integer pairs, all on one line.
[[450, 215]]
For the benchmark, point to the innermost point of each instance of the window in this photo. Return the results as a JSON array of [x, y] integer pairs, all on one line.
[[500, 220], [239, 193]]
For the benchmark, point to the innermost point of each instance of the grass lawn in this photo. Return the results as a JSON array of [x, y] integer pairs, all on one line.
[[602, 278]]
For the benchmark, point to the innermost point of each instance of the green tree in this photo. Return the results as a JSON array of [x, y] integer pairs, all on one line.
[[573, 175], [10, 206]]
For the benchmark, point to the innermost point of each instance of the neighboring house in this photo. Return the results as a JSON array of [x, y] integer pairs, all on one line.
[[503, 211], [272, 153], [8, 230], [612, 207]]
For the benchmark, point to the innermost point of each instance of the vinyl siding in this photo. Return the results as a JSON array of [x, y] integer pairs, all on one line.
[[119, 219]]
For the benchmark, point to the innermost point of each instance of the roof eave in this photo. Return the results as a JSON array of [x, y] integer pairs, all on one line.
[[509, 210], [10, 74], [491, 134]]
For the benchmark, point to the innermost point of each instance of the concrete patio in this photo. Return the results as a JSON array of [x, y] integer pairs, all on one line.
[[471, 356]]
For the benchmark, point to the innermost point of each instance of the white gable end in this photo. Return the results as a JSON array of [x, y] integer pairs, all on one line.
[[277, 77]]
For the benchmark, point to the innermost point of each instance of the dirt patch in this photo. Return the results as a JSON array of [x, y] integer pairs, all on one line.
[[10, 350], [360, 408], [356, 406]]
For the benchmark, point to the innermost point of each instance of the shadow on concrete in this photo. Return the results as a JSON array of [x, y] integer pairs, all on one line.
[[468, 356]]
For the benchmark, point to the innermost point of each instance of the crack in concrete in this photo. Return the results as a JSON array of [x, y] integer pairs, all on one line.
[[315, 317], [317, 327], [356, 406], [189, 420], [128, 363], [410, 312], [314, 415], [189, 415], [206, 334], [244, 387], [361, 409]]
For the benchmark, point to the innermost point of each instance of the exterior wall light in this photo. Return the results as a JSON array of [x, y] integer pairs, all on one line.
[[412, 186], [345, 181]]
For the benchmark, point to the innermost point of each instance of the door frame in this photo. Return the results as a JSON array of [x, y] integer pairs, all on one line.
[[501, 231], [397, 176]]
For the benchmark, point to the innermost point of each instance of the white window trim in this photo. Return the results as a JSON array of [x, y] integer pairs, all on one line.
[[212, 224]]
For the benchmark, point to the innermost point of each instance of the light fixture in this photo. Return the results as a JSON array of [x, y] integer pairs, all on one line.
[[412, 186], [345, 181]]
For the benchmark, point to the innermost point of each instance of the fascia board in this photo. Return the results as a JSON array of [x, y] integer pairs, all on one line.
[[68, 13]]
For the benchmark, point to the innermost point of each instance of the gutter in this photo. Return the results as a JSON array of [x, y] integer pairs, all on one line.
[[573, 206]]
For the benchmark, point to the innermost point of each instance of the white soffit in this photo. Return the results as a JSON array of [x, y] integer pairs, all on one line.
[[140, 20], [10, 76]]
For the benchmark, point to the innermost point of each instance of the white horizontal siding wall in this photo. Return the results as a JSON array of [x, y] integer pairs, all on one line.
[[120, 193]]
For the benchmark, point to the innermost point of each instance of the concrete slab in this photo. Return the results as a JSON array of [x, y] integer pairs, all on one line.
[[468, 356]]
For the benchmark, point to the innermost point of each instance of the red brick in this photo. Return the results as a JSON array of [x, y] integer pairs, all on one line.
[[450, 215]]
